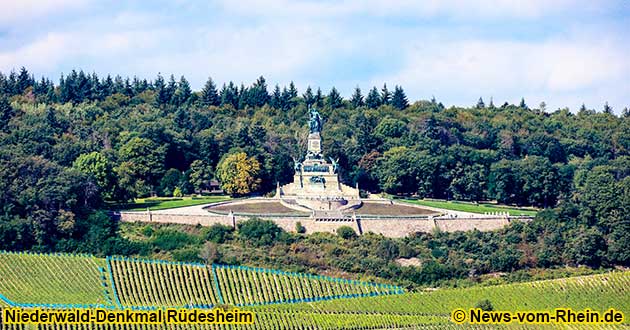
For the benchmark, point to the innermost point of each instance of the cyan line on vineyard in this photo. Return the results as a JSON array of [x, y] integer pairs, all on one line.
[[260, 270], [111, 279], [310, 276], [104, 284], [216, 283]]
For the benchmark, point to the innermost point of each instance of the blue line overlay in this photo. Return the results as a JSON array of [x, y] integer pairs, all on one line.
[[111, 279], [388, 289], [216, 283]]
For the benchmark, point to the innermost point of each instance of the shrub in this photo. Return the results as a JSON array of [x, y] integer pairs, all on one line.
[[299, 228], [169, 239], [346, 232], [259, 232], [218, 233], [147, 231], [187, 254], [485, 305]]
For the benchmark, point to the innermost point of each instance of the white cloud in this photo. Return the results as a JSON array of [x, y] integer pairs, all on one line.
[[468, 9], [12, 11], [578, 70]]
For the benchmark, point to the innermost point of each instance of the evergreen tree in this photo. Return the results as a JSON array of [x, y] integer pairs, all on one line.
[[276, 98], [357, 98], [160, 89], [4, 85], [259, 95], [6, 112], [229, 95], [522, 105], [491, 105], [209, 95], [625, 113], [583, 108], [182, 93], [319, 98], [480, 104], [119, 85], [607, 108], [373, 99], [334, 99], [399, 99], [107, 87], [24, 81], [12, 83], [95, 87], [170, 89], [128, 90], [308, 96], [385, 95], [293, 92]]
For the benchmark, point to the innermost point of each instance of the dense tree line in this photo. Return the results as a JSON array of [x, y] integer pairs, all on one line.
[[68, 148]]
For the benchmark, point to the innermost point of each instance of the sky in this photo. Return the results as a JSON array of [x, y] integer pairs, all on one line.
[[562, 52]]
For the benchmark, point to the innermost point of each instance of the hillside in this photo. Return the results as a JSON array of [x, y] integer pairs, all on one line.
[[281, 300]]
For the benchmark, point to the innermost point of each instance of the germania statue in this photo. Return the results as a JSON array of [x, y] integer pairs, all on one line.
[[315, 123]]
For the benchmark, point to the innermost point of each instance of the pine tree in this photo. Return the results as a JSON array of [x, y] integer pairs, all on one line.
[[182, 93], [229, 95], [357, 98], [607, 108], [6, 111], [522, 105], [160, 90], [170, 89], [385, 95], [4, 85], [491, 105], [308, 96], [373, 99], [480, 104], [258, 93], [583, 108], [293, 92], [107, 87], [24, 81], [209, 95], [399, 99], [128, 91], [319, 98], [119, 84], [334, 99], [276, 98]]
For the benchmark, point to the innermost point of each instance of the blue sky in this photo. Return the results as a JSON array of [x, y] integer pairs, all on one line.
[[564, 53]]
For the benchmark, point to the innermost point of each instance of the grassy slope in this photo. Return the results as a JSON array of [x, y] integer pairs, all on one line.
[[597, 292], [157, 203], [470, 207]]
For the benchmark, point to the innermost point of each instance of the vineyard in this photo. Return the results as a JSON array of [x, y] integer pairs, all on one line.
[[281, 300], [52, 279]]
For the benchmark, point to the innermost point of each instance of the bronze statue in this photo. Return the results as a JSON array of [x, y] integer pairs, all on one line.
[[315, 123]]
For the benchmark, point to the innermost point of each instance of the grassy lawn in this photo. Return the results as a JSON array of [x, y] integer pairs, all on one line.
[[473, 208], [162, 203]]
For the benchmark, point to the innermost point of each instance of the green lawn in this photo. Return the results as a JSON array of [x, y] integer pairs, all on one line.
[[473, 208], [162, 203]]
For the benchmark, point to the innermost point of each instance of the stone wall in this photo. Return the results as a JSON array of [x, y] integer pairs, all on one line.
[[390, 227]]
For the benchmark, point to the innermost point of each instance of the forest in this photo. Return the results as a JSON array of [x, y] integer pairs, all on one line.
[[70, 149]]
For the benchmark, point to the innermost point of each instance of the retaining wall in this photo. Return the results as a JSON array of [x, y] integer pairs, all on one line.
[[390, 227]]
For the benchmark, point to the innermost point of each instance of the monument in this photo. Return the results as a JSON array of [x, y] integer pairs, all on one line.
[[316, 184]]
